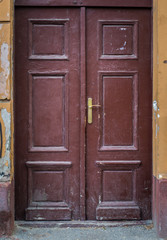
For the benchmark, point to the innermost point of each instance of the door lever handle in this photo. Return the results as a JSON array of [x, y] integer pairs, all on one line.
[[90, 106]]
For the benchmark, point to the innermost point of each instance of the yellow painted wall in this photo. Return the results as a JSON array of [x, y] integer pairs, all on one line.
[[6, 89], [155, 83], [160, 88]]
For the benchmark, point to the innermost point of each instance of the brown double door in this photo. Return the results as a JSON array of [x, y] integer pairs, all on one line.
[[58, 52]]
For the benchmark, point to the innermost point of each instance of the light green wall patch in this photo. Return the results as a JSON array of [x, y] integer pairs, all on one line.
[[5, 161]]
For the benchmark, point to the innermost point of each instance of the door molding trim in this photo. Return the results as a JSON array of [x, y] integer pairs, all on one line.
[[86, 3], [83, 112]]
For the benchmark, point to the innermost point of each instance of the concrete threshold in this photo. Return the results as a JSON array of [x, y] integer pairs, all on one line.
[[83, 224], [83, 230]]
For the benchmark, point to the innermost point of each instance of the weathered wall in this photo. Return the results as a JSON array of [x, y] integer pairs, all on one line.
[[155, 86], [160, 88], [160, 70], [160, 116], [6, 116], [6, 106]]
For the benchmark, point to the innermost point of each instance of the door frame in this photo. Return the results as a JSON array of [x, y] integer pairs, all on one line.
[[159, 95], [85, 3], [82, 4]]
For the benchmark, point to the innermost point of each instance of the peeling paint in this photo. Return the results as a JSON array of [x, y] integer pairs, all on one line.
[[6, 89], [99, 199], [157, 130], [5, 53], [155, 106], [40, 194], [122, 48], [5, 161], [39, 218], [5, 66], [4, 59], [123, 29], [162, 176]]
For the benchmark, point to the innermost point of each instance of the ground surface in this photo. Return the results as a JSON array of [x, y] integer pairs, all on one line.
[[33, 231]]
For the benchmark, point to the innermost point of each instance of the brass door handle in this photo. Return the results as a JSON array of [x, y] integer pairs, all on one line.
[[90, 106]]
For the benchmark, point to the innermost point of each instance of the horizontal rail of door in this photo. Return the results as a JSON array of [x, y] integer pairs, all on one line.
[[86, 3]]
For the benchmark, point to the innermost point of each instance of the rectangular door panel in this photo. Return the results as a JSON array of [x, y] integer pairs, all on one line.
[[48, 122], [47, 93], [119, 98], [119, 138]]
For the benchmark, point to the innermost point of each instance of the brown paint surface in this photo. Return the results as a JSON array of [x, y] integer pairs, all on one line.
[[119, 79], [90, 3], [48, 130]]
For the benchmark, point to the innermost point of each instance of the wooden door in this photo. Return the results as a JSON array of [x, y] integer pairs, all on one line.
[[52, 46], [47, 110], [119, 138]]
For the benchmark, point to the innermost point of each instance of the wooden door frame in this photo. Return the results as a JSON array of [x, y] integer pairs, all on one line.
[[160, 166], [85, 3], [82, 4]]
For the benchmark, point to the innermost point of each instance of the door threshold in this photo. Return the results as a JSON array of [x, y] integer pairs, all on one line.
[[83, 224]]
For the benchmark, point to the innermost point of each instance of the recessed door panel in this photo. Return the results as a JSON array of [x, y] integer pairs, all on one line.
[[119, 98]]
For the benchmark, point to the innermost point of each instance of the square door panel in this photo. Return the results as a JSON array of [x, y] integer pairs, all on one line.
[[117, 199], [47, 186], [118, 180], [48, 39], [118, 39], [48, 183], [117, 186]]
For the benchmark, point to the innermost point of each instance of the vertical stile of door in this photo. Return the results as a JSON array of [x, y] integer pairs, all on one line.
[[83, 116]]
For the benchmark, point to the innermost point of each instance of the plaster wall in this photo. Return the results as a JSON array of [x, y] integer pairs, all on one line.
[[159, 208], [160, 89], [6, 117], [6, 99]]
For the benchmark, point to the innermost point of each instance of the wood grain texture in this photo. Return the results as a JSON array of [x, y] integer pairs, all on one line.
[[47, 113], [102, 53], [119, 139]]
